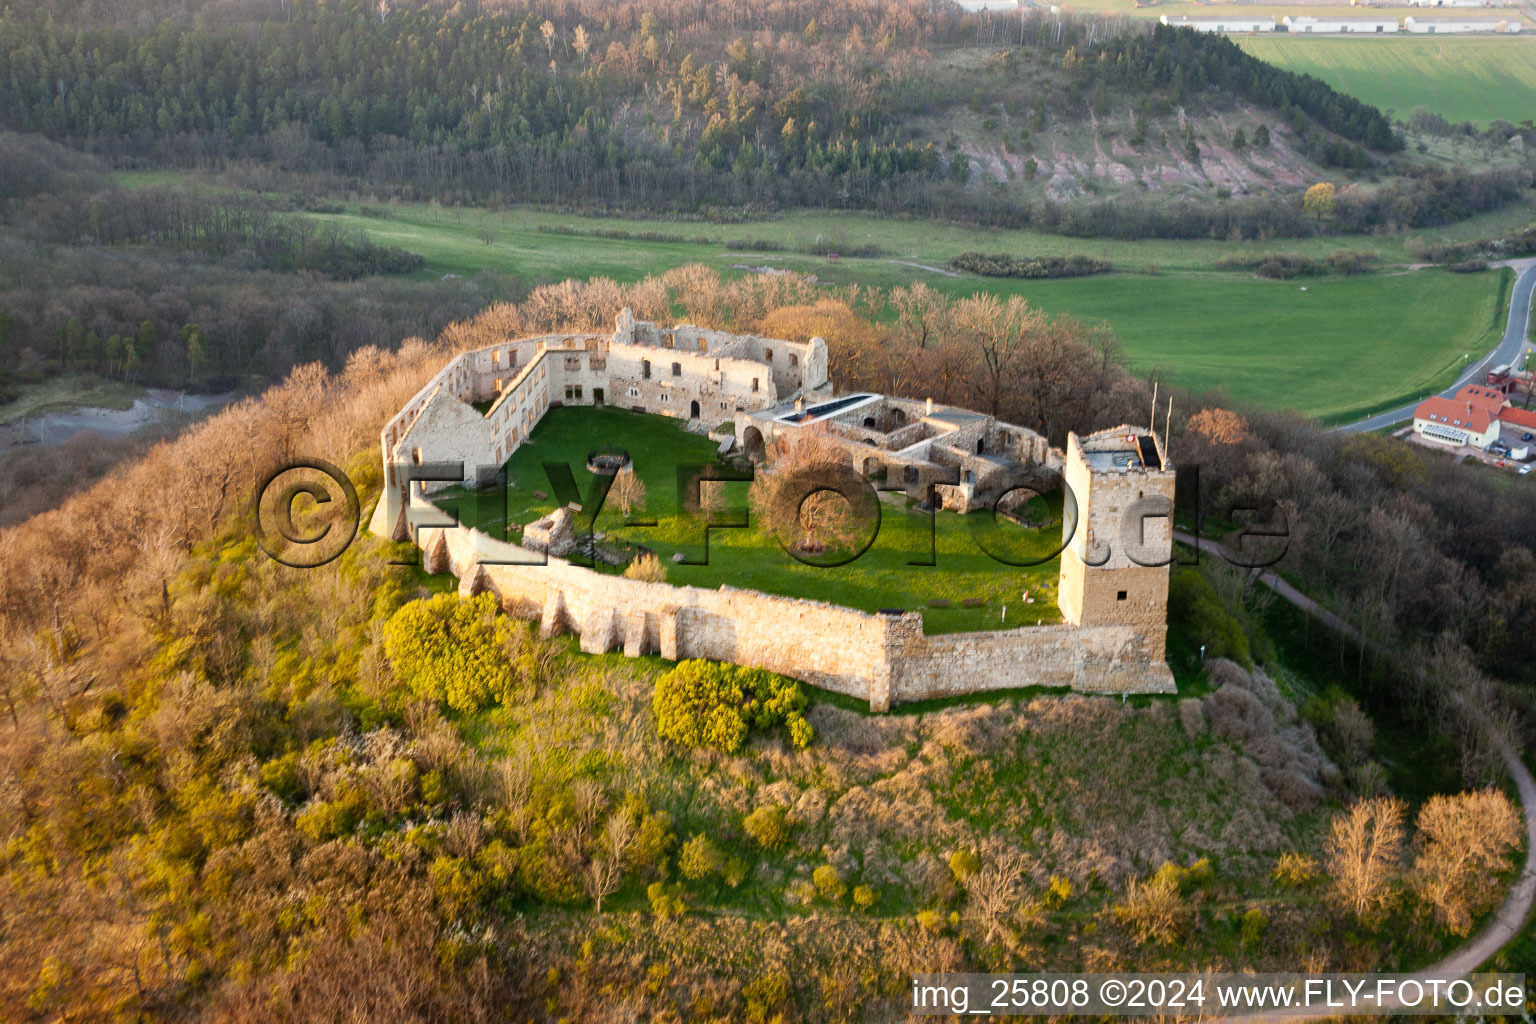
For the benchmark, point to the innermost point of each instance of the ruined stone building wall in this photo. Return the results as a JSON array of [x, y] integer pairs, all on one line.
[[667, 381]]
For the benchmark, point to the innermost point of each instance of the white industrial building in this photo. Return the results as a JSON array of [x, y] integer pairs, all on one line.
[[1231, 23], [1449, 26], [1370, 26]]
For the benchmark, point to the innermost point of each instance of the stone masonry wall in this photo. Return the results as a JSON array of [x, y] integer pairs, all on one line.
[[884, 659]]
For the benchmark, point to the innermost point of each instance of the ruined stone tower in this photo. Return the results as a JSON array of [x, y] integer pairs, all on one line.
[[1114, 570]]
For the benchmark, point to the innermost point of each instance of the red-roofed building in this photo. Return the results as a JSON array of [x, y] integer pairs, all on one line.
[[1522, 419], [1471, 418]]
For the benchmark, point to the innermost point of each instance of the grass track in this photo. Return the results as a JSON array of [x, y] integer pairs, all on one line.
[[1342, 346], [1467, 79]]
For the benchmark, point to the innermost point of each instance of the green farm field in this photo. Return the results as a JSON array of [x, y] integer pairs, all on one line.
[[1211, 8], [1342, 347], [1470, 79]]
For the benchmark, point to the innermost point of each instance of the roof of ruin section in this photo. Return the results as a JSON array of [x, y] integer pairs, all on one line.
[[1122, 449]]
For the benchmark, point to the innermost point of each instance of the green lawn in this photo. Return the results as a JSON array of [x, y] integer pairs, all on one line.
[[1468, 79], [749, 557], [1342, 347]]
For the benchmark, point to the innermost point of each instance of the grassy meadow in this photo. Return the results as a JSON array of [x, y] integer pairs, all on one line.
[[1341, 348], [1467, 79]]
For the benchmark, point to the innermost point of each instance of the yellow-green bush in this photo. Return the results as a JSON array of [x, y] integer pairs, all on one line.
[[706, 703], [829, 882], [768, 825], [1255, 923], [963, 864], [666, 900], [452, 650], [700, 857]]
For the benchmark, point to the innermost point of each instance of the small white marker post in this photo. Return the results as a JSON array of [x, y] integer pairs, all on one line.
[[1003, 617]]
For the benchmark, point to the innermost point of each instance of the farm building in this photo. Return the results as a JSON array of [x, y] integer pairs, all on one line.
[[1230, 23], [1305, 23], [1449, 26]]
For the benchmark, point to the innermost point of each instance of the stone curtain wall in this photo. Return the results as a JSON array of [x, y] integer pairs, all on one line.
[[884, 659], [836, 648], [1091, 659]]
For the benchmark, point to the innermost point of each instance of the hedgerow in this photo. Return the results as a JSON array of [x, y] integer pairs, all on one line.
[[1007, 265]]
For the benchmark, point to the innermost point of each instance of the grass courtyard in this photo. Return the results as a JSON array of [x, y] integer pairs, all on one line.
[[751, 558]]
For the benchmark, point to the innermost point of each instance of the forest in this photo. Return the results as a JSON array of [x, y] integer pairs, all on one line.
[[117, 282], [602, 111]]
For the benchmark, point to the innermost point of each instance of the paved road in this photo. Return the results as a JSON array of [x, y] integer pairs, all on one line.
[[1512, 345], [1510, 918]]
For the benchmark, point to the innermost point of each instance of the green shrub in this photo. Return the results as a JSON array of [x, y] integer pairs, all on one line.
[[666, 900], [768, 825], [706, 703], [456, 885], [964, 864], [1195, 610], [1295, 870], [1255, 923], [1007, 265], [1059, 891], [864, 896], [764, 994], [829, 882], [281, 776], [452, 650], [322, 821], [700, 858]]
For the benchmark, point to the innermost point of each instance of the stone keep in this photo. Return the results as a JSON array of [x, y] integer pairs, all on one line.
[[1114, 569]]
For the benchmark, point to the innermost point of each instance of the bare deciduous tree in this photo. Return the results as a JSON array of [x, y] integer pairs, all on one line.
[[628, 491], [605, 872], [993, 892], [1464, 844], [1365, 851]]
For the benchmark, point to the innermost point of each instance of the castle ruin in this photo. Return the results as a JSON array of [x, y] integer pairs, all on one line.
[[1117, 526]]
